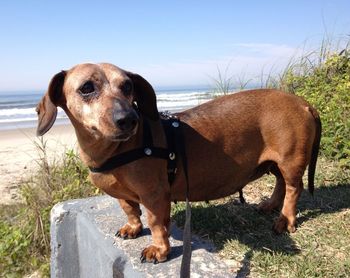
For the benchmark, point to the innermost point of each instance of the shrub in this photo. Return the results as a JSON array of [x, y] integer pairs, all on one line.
[[323, 79]]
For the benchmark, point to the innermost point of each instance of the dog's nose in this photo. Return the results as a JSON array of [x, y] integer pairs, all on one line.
[[126, 121]]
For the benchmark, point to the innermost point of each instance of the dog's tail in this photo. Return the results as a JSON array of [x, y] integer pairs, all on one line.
[[315, 149]]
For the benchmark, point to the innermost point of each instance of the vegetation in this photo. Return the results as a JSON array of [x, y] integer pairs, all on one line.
[[224, 84], [25, 227], [323, 79]]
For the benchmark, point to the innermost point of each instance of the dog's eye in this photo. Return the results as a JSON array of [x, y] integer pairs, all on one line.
[[127, 87], [87, 89]]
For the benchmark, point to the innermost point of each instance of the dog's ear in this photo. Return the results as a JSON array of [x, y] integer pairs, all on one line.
[[47, 107], [145, 96]]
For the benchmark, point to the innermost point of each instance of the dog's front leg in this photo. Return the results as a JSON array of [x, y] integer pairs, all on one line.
[[134, 225], [158, 216]]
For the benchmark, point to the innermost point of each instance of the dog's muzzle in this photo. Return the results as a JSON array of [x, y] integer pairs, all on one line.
[[125, 121]]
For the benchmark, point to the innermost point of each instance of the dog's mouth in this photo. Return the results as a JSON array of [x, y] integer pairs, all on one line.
[[121, 137], [125, 136], [115, 136]]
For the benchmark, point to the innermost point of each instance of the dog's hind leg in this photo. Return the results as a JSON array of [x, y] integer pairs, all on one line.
[[134, 225], [294, 187], [276, 199]]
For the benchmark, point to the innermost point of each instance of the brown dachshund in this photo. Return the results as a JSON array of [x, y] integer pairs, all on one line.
[[230, 141]]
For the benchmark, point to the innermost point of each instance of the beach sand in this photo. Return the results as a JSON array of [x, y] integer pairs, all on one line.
[[19, 154]]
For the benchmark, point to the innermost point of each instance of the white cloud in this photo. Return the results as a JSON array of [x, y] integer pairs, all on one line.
[[266, 49]]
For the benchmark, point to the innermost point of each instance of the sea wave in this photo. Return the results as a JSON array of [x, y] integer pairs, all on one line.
[[25, 114], [177, 96], [17, 111], [20, 108], [29, 119], [179, 104]]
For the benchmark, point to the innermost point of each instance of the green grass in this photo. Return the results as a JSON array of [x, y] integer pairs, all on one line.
[[244, 238]]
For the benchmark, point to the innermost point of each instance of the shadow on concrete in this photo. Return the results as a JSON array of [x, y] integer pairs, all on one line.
[[118, 267]]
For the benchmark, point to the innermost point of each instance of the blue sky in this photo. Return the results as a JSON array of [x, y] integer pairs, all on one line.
[[170, 43]]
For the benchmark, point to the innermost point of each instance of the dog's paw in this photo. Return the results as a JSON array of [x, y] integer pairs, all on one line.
[[129, 231], [153, 254], [281, 225]]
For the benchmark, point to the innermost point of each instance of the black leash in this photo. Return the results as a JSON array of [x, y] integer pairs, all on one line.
[[187, 248]]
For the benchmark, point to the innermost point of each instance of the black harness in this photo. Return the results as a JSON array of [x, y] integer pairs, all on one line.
[[171, 126]]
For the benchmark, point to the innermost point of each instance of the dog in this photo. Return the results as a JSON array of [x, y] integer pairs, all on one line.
[[230, 141]]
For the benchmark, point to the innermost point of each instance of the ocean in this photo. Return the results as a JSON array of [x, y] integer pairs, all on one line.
[[17, 109]]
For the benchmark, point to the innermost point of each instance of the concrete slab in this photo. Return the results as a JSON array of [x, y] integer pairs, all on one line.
[[83, 245]]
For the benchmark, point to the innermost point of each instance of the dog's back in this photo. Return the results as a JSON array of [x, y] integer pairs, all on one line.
[[234, 139]]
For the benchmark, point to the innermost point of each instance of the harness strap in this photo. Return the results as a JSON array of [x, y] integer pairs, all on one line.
[[130, 156], [172, 159], [147, 150]]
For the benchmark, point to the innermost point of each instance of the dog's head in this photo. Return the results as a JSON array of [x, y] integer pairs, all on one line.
[[102, 99]]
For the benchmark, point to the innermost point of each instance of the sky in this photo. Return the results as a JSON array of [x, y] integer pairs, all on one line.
[[170, 43]]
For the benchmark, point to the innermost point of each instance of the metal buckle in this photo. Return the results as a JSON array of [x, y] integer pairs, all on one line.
[[175, 124], [172, 156], [147, 151]]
